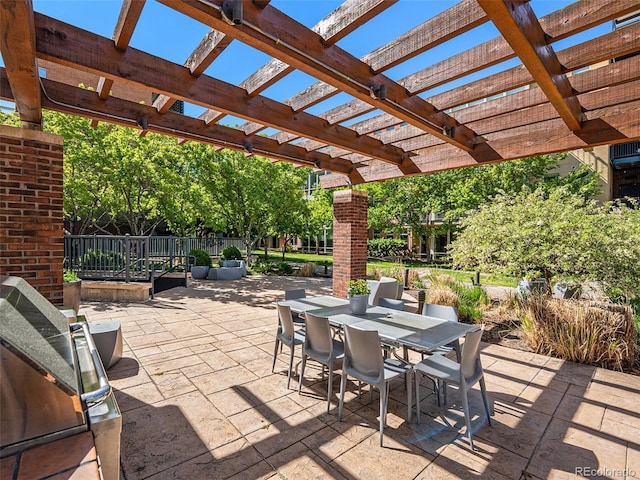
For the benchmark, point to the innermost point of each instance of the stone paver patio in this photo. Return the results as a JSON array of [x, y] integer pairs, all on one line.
[[199, 401]]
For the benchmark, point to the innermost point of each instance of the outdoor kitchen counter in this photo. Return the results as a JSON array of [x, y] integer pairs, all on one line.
[[72, 457]]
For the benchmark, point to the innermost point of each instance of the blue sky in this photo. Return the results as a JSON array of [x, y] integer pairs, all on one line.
[[166, 33]]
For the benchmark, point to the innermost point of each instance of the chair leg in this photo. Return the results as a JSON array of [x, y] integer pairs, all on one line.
[[417, 382], [383, 409], [444, 387], [293, 347], [343, 387], [302, 367], [275, 354], [329, 387], [467, 417], [409, 382], [485, 399]]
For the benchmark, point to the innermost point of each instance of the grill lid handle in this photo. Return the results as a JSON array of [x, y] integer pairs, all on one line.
[[104, 390]]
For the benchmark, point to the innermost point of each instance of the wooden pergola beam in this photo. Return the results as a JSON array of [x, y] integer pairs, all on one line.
[[611, 124], [125, 26], [65, 44], [272, 32], [76, 101], [519, 25], [560, 24], [209, 48], [18, 48], [335, 26]]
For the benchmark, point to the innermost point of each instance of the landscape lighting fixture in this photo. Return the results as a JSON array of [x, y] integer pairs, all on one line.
[[142, 122], [379, 92], [232, 12]]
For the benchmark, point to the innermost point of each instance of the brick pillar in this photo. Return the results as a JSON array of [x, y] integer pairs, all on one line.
[[349, 238], [31, 216]]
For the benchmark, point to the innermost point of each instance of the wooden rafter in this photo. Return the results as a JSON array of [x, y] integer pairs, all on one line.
[[617, 43], [18, 47], [519, 25], [281, 37], [607, 125], [555, 101], [116, 110], [62, 43], [125, 26], [209, 48], [335, 26], [568, 21]]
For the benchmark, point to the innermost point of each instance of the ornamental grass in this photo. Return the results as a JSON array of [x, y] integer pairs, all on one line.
[[593, 333]]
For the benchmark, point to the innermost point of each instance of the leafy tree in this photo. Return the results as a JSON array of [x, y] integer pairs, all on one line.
[[407, 202], [557, 232], [289, 215], [243, 191]]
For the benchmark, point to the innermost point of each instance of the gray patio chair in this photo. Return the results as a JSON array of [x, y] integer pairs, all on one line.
[[320, 346], [450, 314], [286, 335], [292, 295], [386, 287], [391, 303], [363, 360], [465, 374]]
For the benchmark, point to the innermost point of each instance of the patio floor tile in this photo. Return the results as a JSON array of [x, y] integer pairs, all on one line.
[[199, 401]]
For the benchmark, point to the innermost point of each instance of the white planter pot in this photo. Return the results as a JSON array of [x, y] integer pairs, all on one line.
[[358, 304]]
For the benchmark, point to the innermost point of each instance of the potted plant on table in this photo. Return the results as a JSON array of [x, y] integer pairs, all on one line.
[[358, 296], [201, 265]]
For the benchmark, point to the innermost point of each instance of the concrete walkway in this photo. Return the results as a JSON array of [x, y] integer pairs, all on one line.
[[199, 401]]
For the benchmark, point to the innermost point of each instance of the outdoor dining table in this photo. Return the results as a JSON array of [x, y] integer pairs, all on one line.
[[409, 330]]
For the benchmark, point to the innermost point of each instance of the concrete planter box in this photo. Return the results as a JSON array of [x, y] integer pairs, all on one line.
[[199, 272], [71, 293], [224, 273]]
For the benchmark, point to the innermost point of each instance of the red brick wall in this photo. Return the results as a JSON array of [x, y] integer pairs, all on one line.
[[31, 216], [349, 238]]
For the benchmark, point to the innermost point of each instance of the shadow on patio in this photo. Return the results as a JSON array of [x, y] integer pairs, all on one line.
[[199, 401]]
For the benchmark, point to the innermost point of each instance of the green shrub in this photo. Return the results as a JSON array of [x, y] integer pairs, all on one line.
[[98, 260], [386, 247], [284, 268], [231, 253], [261, 266], [69, 276], [202, 257]]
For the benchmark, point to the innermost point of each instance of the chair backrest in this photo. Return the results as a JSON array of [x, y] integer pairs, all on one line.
[[318, 335], [386, 287], [391, 303], [286, 320], [295, 293], [469, 362], [362, 353], [443, 312]]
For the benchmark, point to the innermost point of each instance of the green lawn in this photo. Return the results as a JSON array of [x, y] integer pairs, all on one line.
[[460, 275]]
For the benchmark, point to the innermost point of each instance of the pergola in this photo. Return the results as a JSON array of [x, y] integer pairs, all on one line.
[[555, 100], [558, 98]]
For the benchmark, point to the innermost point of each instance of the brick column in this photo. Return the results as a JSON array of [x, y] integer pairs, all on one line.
[[349, 238], [31, 216]]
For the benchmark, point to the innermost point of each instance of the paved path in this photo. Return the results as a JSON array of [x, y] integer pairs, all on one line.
[[199, 401]]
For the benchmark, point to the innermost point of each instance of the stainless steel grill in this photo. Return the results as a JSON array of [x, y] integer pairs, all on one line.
[[52, 381]]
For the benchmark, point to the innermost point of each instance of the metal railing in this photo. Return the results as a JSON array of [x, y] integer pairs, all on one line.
[[132, 258]]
